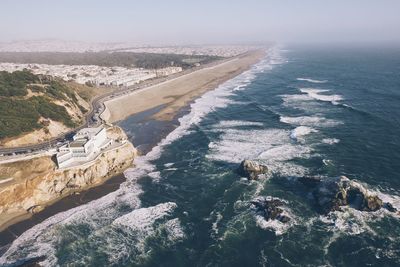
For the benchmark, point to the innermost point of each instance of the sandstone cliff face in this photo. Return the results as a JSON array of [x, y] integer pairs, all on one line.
[[37, 182]]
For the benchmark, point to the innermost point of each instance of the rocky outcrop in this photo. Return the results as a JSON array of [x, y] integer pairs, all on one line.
[[270, 209], [252, 169], [331, 194], [43, 183], [117, 134]]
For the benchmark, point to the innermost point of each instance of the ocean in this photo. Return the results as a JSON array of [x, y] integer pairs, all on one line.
[[320, 112]]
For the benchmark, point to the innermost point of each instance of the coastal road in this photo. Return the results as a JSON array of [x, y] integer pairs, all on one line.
[[92, 118]]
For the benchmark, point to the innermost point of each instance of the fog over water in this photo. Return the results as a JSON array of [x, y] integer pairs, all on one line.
[[199, 22]]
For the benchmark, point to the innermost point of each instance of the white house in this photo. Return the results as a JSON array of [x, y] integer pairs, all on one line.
[[87, 144]]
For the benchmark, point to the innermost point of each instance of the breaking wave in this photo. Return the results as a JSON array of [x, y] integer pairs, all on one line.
[[311, 80], [316, 94], [121, 209], [299, 132], [313, 121], [330, 141], [271, 146]]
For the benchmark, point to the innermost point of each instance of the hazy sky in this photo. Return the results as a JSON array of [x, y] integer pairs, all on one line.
[[201, 21]]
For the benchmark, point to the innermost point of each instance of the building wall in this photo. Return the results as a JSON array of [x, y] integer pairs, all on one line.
[[96, 142], [100, 138]]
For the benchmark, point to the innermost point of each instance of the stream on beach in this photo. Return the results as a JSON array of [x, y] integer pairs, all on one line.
[[302, 113]]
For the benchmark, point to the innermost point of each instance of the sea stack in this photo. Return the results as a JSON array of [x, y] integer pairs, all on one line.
[[252, 169]]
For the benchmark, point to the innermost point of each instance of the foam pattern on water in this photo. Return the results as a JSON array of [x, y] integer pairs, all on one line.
[[271, 146], [313, 121], [311, 80], [316, 94], [104, 217]]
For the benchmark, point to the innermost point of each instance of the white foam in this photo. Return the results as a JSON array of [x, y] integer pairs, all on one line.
[[311, 80], [313, 121], [349, 221], [285, 152], [236, 145], [168, 165], [277, 226], [40, 239], [128, 234], [353, 222], [315, 93], [302, 102], [295, 98], [174, 230], [219, 217], [235, 123], [330, 141], [155, 175], [299, 132], [271, 146], [392, 199], [143, 218]]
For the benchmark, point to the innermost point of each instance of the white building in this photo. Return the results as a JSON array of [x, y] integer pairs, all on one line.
[[168, 71], [86, 145], [96, 75]]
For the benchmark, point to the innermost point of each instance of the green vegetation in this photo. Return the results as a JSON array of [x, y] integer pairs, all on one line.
[[123, 59], [60, 91], [14, 84], [19, 114]]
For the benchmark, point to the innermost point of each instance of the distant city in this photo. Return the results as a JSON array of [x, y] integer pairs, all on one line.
[[109, 75], [63, 46], [92, 74]]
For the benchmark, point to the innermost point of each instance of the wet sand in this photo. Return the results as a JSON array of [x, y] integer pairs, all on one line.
[[153, 120], [66, 203], [177, 93], [151, 132]]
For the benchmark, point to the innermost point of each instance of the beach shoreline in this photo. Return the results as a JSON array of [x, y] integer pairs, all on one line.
[[178, 92], [20, 224], [166, 112]]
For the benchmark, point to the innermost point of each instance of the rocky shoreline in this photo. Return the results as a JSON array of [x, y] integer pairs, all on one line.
[[334, 193], [37, 182], [328, 194]]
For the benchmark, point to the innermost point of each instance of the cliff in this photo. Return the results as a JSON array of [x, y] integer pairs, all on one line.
[[36, 108], [30, 185]]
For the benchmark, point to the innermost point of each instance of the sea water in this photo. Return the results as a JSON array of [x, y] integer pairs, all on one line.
[[324, 112]]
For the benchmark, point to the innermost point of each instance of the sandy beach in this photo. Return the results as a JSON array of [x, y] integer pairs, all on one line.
[[178, 92], [22, 222], [159, 103]]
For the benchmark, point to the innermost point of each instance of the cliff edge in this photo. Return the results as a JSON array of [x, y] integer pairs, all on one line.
[[28, 186]]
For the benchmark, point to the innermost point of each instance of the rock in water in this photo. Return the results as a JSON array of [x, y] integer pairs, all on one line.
[[373, 203], [252, 169], [389, 207], [361, 199], [333, 193], [270, 209]]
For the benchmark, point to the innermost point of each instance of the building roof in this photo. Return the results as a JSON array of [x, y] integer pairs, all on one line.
[[78, 143], [89, 132]]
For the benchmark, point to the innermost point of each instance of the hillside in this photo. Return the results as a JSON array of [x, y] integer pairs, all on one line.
[[35, 108]]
